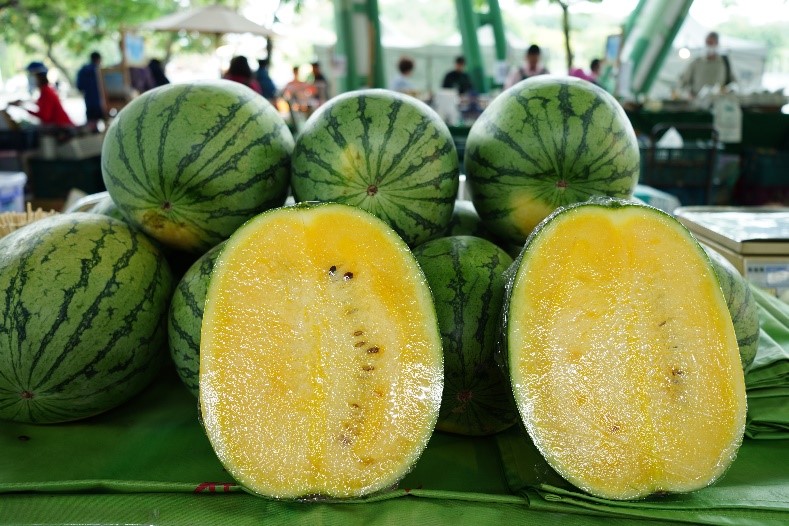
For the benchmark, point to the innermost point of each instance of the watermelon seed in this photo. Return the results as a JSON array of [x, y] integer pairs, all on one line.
[[26, 395], [167, 205], [345, 440], [373, 350], [348, 276], [662, 323], [368, 368], [614, 428], [358, 333], [351, 311], [360, 344], [677, 372], [372, 190], [355, 406], [332, 270], [23, 438]]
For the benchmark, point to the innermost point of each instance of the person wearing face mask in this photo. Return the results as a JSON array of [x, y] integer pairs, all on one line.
[[712, 69]]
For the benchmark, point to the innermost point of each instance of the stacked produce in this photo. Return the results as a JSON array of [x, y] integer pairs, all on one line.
[[326, 342]]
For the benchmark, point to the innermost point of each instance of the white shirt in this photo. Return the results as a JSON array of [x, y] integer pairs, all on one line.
[[402, 84], [705, 71], [523, 72]]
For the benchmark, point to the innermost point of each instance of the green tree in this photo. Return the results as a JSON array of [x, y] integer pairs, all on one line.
[[61, 29]]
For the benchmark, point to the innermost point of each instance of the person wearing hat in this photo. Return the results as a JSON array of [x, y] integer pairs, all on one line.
[[50, 110]]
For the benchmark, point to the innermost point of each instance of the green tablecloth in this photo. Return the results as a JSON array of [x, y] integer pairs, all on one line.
[[148, 462], [768, 377]]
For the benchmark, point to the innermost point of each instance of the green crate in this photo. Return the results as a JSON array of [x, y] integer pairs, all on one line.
[[54, 179]]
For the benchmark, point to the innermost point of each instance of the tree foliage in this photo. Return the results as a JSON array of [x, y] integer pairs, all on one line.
[[63, 29]]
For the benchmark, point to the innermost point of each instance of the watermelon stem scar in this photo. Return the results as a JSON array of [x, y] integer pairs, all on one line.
[[27, 395], [372, 190], [562, 183], [167, 205]]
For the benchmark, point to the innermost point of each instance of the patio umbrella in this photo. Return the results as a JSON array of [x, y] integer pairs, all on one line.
[[214, 19]]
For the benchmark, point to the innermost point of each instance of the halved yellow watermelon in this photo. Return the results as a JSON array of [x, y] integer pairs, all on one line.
[[320, 358], [622, 355]]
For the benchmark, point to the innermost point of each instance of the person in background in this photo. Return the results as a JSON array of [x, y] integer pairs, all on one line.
[[296, 89], [458, 78], [157, 73], [594, 71], [712, 69], [531, 67], [319, 83], [239, 71], [50, 110], [88, 84], [403, 82], [267, 87]]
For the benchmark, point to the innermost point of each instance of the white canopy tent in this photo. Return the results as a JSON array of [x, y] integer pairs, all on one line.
[[212, 19]]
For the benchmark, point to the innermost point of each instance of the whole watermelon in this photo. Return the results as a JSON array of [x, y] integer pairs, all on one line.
[[382, 151], [465, 275], [82, 324], [546, 142], [189, 163], [186, 316]]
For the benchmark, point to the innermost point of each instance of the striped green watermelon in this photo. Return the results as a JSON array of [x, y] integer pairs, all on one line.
[[546, 142], [385, 152], [186, 316], [742, 306], [189, 163], [465, 276], [82, 322]]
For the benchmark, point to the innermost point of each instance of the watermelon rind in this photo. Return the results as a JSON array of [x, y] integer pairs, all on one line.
[[742, 305], [186, 316]]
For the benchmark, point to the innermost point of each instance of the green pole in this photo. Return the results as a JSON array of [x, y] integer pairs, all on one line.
[[494, 18], [606, 76], [670, 30], [497, 23], [631, 20], [377, 74], [468, 24], [343, 22]]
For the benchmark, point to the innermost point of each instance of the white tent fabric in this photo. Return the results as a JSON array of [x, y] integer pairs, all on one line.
[[214, 19]]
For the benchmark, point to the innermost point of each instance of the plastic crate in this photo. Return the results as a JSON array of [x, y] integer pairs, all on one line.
[[764, 179], [19, 139], [54, 178]]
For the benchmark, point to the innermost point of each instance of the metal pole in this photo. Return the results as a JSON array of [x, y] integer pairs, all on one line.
[[377, 76], [468, 24], [343, 21]]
